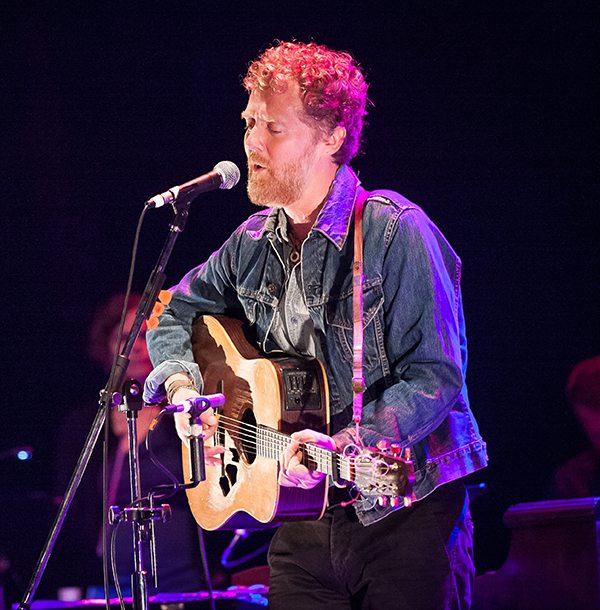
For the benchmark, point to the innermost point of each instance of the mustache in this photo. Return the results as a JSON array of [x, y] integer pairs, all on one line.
[[256, 160]]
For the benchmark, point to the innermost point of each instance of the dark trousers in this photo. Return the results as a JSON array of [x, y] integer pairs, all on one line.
[[417, 558]]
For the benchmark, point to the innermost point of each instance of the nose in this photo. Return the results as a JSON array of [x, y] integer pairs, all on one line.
[[253, 141]]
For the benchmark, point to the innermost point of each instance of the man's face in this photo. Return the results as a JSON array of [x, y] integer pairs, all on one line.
[[281, 149]]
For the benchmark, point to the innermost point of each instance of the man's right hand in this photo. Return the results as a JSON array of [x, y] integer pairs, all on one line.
[[208, 418]]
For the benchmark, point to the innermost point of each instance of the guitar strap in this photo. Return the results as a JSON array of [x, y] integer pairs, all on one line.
[[358, 381]]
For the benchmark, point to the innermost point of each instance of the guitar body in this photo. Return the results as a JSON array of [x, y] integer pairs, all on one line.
[[285, 395]]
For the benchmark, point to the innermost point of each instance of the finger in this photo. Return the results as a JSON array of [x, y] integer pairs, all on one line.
[[208, 432], [292, 473], [285, 461], [313, 479], [300, 477], [304, 436], [209, 418], [295, 470], [295, 464], [212, 455], [288, 453], [182, 426], [212, 451], [213, 460], [285, 481], [315, 438]]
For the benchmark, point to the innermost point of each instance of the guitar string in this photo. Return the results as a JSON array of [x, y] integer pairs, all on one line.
[[276, 441], [276, 446], [344, 470], [268, 441], [273, 442], [269, 435], [311, 461]]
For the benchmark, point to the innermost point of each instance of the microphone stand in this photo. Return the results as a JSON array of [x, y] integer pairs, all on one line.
[[112, 396]]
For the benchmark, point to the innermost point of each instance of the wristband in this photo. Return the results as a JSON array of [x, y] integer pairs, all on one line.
[[178, 385]]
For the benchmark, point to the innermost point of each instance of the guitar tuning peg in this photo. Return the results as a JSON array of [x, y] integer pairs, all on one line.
[[382, 444], [382, 501], [395, 449], [394, 501], [407, 501]]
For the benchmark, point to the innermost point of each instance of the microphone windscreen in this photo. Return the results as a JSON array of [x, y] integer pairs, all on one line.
[[229, 173]]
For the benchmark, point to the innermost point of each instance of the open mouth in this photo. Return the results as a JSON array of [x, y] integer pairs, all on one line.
[[257, 167]]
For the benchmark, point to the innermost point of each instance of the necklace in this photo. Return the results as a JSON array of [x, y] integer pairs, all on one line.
[[297, 233], [296, 246]]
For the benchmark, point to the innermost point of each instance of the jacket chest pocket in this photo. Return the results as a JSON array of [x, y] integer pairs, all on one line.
[[258, 308], [339, 317], [258, 290]]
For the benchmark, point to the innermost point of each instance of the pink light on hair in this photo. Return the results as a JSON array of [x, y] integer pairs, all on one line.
[[332, 86]]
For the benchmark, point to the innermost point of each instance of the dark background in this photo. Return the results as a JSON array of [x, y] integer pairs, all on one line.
[[482, 113]]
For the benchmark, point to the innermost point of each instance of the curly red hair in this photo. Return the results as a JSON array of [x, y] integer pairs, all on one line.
[[332, 87]]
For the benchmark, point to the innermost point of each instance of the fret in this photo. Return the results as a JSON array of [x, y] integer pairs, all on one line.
[[270, 444]]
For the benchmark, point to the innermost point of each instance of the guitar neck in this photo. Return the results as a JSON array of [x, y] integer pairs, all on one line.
[[270, 443]]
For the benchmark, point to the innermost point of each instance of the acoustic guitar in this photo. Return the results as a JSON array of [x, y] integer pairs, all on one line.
[[266, 399]]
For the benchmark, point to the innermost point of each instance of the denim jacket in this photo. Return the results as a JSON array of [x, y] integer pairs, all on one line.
[[415, 352]]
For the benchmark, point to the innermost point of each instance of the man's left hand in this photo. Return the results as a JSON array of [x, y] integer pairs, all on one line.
[[291, 471]]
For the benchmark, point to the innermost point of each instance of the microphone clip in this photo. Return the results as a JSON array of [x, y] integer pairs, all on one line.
[[197, 404]]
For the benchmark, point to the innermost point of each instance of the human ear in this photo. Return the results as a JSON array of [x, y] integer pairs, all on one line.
[[334, 141]]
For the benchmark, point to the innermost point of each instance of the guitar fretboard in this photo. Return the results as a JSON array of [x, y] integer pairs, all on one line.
[[270, 443]]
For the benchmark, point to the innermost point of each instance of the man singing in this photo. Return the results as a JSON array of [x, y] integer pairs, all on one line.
[[287, 273]]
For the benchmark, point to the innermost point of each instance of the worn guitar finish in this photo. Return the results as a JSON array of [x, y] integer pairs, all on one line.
[[266, 399]]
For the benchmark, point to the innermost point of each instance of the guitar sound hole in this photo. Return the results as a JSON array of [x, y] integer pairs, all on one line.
[[248, 435], [229, 479], [231, 471], [224, 485]]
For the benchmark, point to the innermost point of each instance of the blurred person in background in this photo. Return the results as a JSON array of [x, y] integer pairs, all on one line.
[[580, 476]]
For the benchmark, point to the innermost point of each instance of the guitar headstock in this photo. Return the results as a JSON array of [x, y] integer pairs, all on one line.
[[383, 475]]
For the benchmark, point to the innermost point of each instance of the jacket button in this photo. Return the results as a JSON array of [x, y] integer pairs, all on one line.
[[272, 288]]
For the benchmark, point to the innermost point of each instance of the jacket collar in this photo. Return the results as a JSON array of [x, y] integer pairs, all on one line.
[[334, 218]]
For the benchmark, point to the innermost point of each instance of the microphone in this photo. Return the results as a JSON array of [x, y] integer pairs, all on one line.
[[224, 175], [201, 403]]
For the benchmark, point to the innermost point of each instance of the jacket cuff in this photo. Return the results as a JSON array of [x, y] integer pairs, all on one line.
[[154, 387]]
